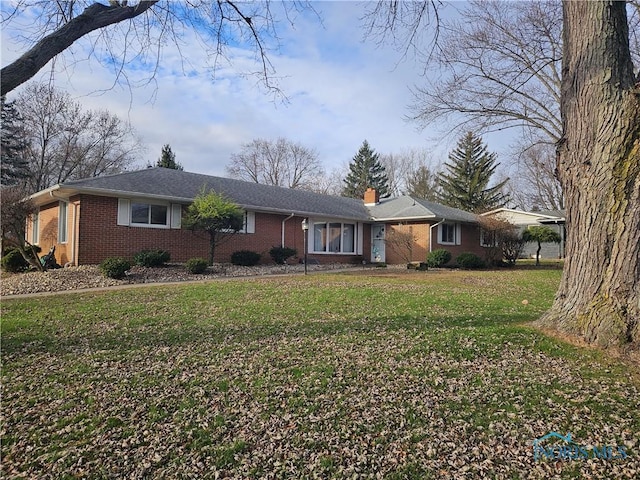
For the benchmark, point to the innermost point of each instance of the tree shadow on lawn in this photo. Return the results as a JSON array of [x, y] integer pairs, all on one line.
[[155, 333]]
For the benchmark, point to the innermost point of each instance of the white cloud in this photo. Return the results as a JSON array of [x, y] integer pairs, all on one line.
[[340, 90]]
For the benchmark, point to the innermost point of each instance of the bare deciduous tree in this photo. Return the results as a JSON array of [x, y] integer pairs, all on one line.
[[401, 241], [282, 162], [15, 210], [65, 142], [538, 185], [499, 68], [501, 239], [130, 33], [401, 168], [598, 164]]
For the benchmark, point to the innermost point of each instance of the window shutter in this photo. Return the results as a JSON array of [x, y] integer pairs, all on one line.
[[458, 234], [176, 215], [250, 227], [123, 211], [440, 233], [359, 237]]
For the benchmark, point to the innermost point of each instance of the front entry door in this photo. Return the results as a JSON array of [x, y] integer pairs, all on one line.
[[377, 243]]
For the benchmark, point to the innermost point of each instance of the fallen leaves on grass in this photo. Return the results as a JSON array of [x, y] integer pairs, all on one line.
[[311, 407], [294, 399]]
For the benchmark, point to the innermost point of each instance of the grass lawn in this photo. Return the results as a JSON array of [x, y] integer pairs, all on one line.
[[370, 374]]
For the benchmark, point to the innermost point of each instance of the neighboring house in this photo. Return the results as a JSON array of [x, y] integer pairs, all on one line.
[[554, 219], [118, 215]]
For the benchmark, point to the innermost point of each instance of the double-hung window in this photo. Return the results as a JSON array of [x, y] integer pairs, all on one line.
[[449, 234]]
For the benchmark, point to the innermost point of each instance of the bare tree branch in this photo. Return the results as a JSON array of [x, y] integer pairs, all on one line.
[[93, 18], [281, 162], [136, 35]]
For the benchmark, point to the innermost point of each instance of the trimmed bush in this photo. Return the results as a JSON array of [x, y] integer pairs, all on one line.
[[281, 254], [115, 267], [470, 260], [245, 258], [196, 265], [151, 258], [438, 258], [13, 261]]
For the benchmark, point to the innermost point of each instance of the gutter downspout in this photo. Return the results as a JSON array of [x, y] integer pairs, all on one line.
[[283, 222], [431, 233]]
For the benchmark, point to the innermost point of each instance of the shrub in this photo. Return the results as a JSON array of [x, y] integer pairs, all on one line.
[[151, 258], [281, 254], [196, 265], [470, 260], [13, 261], [115, 267], [245, 258], [438, 258]]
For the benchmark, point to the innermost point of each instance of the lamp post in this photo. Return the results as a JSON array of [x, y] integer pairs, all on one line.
[[305, 230]]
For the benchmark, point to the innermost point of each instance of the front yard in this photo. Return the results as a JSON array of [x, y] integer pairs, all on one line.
[[368, 374]]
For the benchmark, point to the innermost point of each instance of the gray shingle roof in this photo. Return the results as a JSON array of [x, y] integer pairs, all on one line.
[[407, 208], [184, 186]]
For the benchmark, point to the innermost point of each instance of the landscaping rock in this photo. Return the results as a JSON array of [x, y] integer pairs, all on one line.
[[89, 276]]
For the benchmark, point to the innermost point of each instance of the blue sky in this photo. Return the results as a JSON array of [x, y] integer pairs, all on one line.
[[340, 92]]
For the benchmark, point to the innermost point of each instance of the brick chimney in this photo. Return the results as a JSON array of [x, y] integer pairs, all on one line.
[[371, 197]]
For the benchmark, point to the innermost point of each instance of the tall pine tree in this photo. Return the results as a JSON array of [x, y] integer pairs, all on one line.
[[423, 183], [13, 164], [168, 159], [465, 182], [365, 170]]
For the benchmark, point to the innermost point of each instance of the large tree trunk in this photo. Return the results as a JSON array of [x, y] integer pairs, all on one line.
[[599, 167]]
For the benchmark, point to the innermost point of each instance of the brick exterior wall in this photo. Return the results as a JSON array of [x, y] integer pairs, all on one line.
[[101, 237], [395, 251], [97, 236], [470, 235], [48, 232]]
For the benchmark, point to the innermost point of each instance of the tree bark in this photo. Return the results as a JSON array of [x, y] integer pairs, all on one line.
[[92, 18], [599, 167]]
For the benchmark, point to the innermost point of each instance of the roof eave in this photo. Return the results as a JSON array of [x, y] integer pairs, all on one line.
[[404, 219], [44, 197]]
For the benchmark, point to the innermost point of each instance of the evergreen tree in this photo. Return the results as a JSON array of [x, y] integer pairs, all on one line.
[[168, 159], [465, 182], [14, 167], [423, 183], [365, 170]]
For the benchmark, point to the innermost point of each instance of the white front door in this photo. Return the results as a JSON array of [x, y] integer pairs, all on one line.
[[377, 243]]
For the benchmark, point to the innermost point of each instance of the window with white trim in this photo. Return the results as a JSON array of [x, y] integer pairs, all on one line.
[[35, 227], [62, 221], [334, 237], [149, 214], [449, 234], [141, 213], [248, 224]]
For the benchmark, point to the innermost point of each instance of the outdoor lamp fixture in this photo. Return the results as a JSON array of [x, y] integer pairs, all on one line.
[[305, 230]]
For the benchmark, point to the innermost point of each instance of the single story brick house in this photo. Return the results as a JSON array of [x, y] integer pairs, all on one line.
[[92, 219]]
